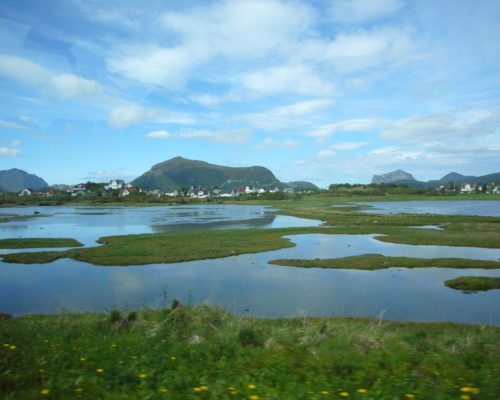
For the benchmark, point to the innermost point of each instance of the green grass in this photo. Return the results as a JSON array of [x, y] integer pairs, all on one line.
[[471, 284], [31, 243], [206, 353], [376, 261]]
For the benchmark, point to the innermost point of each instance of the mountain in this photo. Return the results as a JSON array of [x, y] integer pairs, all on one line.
[[15, 180], [180, 172], [452, 176], [394, 176], [301, 185]]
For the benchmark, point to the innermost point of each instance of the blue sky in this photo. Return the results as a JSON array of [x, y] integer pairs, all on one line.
[[324, 91]]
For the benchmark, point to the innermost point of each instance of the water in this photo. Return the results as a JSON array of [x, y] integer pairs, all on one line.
[[87, 224], [245, 284], [489, 208]]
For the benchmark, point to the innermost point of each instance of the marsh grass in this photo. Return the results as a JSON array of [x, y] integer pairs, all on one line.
[[470, 284], [205, 353], [377, 261], [32, 243]]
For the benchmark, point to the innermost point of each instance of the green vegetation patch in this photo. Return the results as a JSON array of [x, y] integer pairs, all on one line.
[[31, 243], [376, 261], [205, 353], [470, 284]]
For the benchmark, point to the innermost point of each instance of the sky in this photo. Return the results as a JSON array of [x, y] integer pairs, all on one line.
[[323, 91]]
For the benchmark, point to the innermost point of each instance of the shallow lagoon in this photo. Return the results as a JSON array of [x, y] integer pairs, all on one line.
[[487, 208]]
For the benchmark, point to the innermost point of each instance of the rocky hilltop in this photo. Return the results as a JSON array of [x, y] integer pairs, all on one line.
[[16, 180], [180, 172], [394, 176]]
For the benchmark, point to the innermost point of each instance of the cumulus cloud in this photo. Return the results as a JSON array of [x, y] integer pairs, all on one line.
[[347, 125], [443, 127], [289, 115], [10, 125], [270, 143], [357, 11], [340, 147], [222, 136], [8, 152], [132, 114], [163, 134], [61, 85], [301, 79]]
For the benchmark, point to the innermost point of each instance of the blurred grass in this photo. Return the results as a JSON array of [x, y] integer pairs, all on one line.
[[205, 353], [471, 284]]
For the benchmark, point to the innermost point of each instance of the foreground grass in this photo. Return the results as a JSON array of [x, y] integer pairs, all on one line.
[[206, 353], [32, 243], [471, 284], [376, 261]]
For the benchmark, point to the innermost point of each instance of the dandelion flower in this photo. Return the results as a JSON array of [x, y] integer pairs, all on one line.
[[231, 388], [410, 396], [164, 390], [344, 394], [83, 359], [362, 391], [6, 345], [197, 389], [475, 390], [12, 347], [251, 386], [325, 392], [254, 397], [204, 387], [45, 391], [121, 362], [99, 370], [142, 376], [173, 358], [78, 390], [465, 389]]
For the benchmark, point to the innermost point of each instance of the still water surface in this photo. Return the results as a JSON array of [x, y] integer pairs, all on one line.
[[244, 284], [490, 208]]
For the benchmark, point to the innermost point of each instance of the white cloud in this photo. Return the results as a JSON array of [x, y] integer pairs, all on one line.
[[69, 85], [289, 115], [23, 70], [356, 11], [301, 79], [6, 152], [340, 147], [347, 125], [15, 143], [132, 114], [163, 134], [239, 28], [10, 125], [223, 136], [443, 127], [270, 143]]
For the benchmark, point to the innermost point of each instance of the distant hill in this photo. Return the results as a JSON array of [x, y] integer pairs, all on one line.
[[180, 172], [16, 180], [452, 176], [301, 185], [394, 176]]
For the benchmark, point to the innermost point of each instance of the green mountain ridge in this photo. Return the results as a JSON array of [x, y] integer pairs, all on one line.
[[181, 172], [16, 180], [455, 177]]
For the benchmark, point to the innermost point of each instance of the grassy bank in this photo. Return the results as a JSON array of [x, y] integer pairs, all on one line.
[[32, 243], [205, 353], [376, 261], [471, 284]]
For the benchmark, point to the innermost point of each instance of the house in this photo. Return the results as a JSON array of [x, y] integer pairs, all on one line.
[[467, 188], [115, 184], [172, 193], [25, 192]]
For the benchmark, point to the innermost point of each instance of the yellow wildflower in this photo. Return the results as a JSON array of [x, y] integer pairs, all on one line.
[[12, 347], [121, 362], [254, 397], [99, 370], [78, 390], [409, 396], [233, 392], [475, 390], [6, 345], [465, 389], [362, 391], [133, 357], [465, 397], [344, 394], [164, 390], [173, 358], [45, 391], [325, 392], [83, 359], [142, 376], [197, 389], [41, 370], [204, 387], [251, 386], [231, 388]]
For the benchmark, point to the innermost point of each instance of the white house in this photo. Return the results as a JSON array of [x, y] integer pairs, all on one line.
[[25, 192], [115, 184], [467, 188]]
